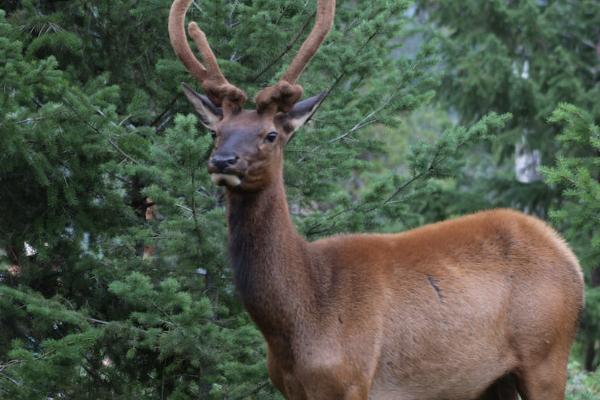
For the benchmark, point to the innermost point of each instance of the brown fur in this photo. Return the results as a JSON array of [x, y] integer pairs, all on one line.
[[475, 307], [454, 310], [479, 307]]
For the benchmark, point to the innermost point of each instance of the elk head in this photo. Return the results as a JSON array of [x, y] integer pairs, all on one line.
[[248, 144]]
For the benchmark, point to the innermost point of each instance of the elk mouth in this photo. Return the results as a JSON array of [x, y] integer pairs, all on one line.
[[230, 180]]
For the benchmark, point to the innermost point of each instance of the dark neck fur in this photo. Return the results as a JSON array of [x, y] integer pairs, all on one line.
[[269, 257]]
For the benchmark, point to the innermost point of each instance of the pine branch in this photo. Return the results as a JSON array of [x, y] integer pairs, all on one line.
[[11, 380], [158, 121], [287, 48], [253, 391], [9, 364], [99, 132], [116, 147]]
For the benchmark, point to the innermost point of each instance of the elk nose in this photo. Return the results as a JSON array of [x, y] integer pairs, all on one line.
[[222, 161]]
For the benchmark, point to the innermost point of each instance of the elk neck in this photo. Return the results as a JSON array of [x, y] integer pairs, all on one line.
[[270, 260]]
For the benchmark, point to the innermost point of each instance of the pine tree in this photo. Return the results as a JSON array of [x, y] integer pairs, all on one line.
[[520, 57], [577, 174]]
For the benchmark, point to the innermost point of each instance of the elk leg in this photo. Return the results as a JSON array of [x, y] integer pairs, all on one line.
[[545, 381]]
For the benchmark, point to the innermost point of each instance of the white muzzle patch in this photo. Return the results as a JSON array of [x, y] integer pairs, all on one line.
[[227, 179]]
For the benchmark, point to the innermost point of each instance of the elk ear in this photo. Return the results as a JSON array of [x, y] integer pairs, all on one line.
[[300, 114], [209, 113]]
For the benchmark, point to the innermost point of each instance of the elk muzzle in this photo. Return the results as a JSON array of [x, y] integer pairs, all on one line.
[[225, 169]]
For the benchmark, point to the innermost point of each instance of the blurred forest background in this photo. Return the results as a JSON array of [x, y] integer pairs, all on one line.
[[114, 278]]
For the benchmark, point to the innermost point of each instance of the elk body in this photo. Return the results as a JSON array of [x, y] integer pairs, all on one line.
[[480, 307]]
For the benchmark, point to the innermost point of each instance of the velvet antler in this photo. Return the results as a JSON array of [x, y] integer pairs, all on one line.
[[286, 92], [215, 86]]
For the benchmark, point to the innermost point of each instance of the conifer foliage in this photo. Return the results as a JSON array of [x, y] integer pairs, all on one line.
[[114, 277], [577, 175], [521, 57]]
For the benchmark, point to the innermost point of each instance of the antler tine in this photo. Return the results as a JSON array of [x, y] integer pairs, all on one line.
[[208, 56], [214, 83], [323, 25], [286, 92], [179, 40]]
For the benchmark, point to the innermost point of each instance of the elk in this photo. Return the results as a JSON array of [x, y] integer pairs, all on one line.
[[479, 307]]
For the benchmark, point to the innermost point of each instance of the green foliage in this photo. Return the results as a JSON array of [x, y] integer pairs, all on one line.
[[582, 385], [523, 58], [397, 202], [94, 130], [576, 174]]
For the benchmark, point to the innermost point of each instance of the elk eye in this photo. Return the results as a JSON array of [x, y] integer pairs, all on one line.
[[271, 137], [213, 134]]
